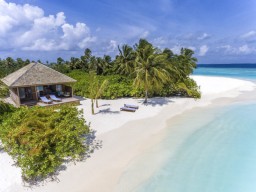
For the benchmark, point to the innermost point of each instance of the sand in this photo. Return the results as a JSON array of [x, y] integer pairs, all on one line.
[[124, 137]]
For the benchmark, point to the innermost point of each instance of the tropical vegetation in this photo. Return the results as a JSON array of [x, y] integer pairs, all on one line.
[[41, 139], [139, 70]]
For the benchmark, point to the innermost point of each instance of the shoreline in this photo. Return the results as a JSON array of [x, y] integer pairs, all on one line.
[[126, 135]]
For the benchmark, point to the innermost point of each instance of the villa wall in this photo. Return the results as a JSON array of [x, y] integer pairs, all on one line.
[[14, 96], [34, 95]]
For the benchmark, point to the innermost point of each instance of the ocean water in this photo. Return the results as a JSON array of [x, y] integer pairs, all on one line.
[[227, 71], [220, 156]]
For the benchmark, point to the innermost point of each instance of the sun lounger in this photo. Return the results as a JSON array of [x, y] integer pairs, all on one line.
[[131, 106], [127, 109], [54, 98], [45, 100]]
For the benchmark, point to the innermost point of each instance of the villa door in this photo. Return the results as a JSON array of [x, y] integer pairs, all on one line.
[[25, 93]]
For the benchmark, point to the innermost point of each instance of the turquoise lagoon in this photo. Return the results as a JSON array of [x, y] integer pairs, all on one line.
[[219, 156]]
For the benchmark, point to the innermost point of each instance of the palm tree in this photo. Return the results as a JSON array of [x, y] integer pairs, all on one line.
[[186, 62], [74, 63], [91, 89], [100, 88], [85, 59], [151, 68], [96, 89], [125, 60], [60, 61]]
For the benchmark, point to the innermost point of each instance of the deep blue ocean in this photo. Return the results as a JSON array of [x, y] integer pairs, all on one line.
[[221, 155]]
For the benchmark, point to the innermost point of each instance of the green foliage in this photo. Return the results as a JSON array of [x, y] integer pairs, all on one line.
[[5, 110], [10, 65], [118, 86], [125, 60], [149, 69], [3, 90], [41, 139]]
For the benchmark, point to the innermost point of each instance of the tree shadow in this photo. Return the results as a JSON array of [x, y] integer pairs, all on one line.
[[79, 98], [107, 104], [107, 111], [156, 101], [1, 149], [91, 143]]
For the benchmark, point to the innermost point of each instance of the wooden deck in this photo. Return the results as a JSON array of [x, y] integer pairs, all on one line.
[[68, 100]]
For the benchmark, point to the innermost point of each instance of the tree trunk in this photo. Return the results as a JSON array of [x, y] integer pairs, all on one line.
[[97, 105], [146, 96], [92, 106]]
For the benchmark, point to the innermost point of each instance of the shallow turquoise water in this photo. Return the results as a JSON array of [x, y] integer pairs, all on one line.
[[220, 156], [242, 73]]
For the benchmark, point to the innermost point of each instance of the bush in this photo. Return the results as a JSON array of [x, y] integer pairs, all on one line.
[[5, 110], [41, 139], [3, 90], [118, 86], [122, 86]]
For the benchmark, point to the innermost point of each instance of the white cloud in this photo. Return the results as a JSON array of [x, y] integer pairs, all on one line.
[[245, 49], [176, 49], [204, 36], [192, 48], [13, 15], [132, 31], [144, 34], [43, 45], [203, 50], [249, 34], [227, 49], [26, 27], [160, 41], [240, 50], [112, 46]]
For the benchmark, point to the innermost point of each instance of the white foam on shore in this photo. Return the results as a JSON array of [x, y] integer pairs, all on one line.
[[119, 149]]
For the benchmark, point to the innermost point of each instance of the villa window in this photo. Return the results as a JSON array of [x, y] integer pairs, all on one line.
[[59, 87]]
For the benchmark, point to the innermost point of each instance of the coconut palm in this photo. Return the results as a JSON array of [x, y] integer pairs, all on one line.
[[100, 88], [91, 89], [96, 89], [85, 59], [186, 62], [151, 68], [125, 60]]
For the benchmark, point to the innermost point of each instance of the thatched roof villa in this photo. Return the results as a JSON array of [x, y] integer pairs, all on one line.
[[35, 80]]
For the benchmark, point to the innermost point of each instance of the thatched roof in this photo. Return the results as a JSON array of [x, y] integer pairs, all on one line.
[[36, 74]]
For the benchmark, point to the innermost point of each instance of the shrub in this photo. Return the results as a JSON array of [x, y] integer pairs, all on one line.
[[122, 86], [3, 90], [41, 139]]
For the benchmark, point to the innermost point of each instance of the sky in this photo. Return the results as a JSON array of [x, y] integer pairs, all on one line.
[[219, 31]]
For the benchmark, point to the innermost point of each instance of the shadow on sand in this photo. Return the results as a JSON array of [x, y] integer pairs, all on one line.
[[79, 98], [107, 111], [156, 101]]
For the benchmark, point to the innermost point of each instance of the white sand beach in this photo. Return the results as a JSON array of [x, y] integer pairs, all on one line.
[[124, 136]]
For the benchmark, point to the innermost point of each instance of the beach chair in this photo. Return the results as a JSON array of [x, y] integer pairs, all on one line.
[[45, 100], [54, 98], [131, 106], [127, 109]]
